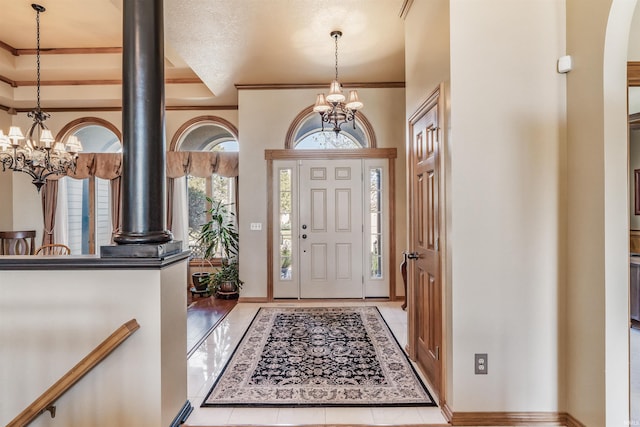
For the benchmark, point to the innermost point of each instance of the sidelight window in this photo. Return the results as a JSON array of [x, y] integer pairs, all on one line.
[[375, 230]]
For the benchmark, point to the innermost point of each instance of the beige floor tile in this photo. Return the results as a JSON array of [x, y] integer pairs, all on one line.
[[260, 416], [297, 416], [349, 416]]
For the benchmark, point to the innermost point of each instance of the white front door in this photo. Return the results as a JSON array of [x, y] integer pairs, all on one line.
[[330, 230]]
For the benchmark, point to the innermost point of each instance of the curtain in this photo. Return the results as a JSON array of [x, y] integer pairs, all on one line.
[[49, 194], [180, 211], [109, 166], [116, 207], [179, 163], [61, 223]]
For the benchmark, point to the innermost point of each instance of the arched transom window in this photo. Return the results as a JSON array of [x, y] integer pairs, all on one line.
[[308, 133]]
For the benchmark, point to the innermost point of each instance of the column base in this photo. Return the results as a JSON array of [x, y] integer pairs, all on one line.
[[133, 238], [141, 250]]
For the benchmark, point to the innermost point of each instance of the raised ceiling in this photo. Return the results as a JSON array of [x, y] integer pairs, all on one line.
[[223, 43]]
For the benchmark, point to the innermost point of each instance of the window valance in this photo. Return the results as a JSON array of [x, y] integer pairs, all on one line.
[[179, 163], [202, 163]]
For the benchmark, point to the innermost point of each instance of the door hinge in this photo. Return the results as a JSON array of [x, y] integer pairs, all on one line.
[[437, 352], [437, 244]]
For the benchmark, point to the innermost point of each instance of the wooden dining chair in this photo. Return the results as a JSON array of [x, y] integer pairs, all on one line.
[[53, 249], [17, 242]]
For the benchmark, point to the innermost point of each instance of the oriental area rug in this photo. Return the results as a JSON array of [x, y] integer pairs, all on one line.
[[318, 356]]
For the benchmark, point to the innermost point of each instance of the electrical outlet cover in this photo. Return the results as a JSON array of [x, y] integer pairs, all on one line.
[[481, 364]]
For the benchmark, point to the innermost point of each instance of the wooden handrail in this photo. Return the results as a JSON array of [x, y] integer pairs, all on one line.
[[53, 393]]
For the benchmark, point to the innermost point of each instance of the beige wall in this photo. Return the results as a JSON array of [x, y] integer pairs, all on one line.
[[426, 50], [507, 144], [264, 118], [427, 65], [597, 293], [52, 326], [6, 183]]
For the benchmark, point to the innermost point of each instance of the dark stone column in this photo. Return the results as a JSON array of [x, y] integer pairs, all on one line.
[[143, 130]]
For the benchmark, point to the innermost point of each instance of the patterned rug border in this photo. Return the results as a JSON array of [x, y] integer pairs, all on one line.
[[419, 380]]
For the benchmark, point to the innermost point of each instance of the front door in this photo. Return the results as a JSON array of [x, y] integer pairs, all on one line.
[[425, 305], [330, 229]]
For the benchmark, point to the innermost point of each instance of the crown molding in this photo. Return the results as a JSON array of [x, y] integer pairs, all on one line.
[[11, 110], [101, 82], [12, 50], [70, 51], [60, 50], [404, 9], [279, 86]]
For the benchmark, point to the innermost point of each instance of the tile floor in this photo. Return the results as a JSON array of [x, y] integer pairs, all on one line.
[[206, 363]]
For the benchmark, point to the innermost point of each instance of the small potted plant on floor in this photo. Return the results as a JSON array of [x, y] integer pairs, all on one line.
[[219, 237]]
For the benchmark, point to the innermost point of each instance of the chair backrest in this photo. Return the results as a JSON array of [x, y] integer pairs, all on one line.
[[53, 249], [17, 242]]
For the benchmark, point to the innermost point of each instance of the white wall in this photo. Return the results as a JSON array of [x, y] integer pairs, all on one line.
[[507, 144], [264, 118], [51, 319]]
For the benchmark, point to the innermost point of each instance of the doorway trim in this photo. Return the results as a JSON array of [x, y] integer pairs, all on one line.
[[362, 153]]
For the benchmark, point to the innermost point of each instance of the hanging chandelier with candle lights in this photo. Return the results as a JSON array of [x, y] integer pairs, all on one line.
[[38, 153], [332, 108]]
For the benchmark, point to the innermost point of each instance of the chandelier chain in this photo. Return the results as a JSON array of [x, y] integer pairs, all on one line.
[[336, 37], [332, 108], [38, 155], [38, 58]]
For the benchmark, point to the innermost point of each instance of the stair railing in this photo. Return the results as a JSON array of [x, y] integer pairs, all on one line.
[[47, 399]]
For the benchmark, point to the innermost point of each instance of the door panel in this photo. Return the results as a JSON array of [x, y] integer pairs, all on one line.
[[425, 283], [330, 244], [319, 210], [319, 262]]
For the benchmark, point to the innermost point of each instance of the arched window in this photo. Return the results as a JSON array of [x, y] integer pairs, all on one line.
[[88, 201], [202, 134], [307, 132]]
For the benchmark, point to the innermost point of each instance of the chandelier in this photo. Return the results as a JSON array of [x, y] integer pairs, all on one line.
[[38, 153], [332, 107]]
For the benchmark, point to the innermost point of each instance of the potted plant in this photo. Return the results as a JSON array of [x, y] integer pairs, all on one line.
[[199, 279], [219, 238], [226, 282]]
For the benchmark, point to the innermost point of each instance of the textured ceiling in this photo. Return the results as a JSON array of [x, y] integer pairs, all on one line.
[[225, 42]]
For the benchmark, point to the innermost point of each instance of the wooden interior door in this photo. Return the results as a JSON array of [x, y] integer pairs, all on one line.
[[425, 284], [331, 231]]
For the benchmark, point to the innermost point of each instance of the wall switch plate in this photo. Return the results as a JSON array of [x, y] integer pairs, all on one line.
[[481, 363], [256, 226]]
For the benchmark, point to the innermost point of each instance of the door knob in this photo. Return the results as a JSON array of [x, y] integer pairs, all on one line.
[[304, 236], [304, 226], [413, 255]]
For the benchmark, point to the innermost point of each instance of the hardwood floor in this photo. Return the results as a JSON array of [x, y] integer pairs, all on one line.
[[204, 314]]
